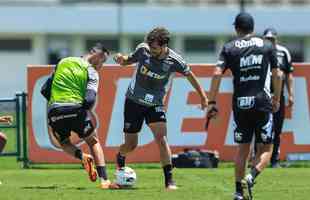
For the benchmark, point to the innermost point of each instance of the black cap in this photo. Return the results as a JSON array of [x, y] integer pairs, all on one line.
[[244, 21], [270, 33]]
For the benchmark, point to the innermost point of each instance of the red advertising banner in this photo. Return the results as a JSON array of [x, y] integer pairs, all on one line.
[[184, 118]]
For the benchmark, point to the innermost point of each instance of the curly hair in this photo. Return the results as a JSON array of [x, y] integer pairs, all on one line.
[[159, 34]]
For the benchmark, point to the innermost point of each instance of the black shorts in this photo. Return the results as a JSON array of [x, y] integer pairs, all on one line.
[[65, 119], [135, 114], [250, 122]]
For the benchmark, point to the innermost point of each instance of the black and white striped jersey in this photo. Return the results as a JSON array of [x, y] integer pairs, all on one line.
[[284, 59], [250, 60], [152, 77]]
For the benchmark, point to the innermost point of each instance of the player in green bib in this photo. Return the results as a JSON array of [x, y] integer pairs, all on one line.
[[73, 95]]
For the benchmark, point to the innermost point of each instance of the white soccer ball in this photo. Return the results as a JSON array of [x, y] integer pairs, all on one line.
[[125, 177]]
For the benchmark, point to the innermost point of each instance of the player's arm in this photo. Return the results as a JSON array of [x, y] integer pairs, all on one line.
[[7, 119], [215, 84], [289, 78], [220, 68], [124, 60], [289, 86], [276, 78], [195, 83], [91, 89], [277, 85]]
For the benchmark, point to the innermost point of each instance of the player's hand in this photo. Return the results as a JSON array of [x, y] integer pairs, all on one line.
[[275, 105], [290, 100], [7, 119], [204, 103], [212, 111], [119, 58]]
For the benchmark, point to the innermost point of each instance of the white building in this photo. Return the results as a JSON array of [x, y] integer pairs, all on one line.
[[37, 32]]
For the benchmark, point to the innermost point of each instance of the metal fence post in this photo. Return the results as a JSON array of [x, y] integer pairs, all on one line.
[[24, 128], [18, 131]]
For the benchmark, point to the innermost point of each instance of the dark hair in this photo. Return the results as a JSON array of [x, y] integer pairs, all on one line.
[[244, 22], [99, 47], [159, 34]]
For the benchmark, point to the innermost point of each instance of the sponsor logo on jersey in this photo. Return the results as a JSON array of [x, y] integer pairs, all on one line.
[[251, 60], [249, 78], [246, 102], [145, 71], [249, 43]]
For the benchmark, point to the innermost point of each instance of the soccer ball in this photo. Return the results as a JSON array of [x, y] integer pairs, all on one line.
[[125, 177]]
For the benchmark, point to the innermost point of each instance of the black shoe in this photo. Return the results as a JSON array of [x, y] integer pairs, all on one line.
[[120, 161], [238, 196], [276, 165], [247, 185]]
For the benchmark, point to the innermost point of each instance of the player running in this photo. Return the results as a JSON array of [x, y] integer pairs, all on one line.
[[73, 95], [251, 60], [156, 64]]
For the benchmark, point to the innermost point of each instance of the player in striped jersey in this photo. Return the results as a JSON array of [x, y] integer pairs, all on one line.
[[285, 65], [156, 65]]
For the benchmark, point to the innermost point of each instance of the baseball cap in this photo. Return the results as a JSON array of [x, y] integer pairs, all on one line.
[[244, 21], [270, 33]]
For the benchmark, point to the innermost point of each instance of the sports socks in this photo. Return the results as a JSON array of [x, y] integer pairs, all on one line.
[[239, 187], [120, 160], [254, 172], [102, 172], [168, 174], [78, 154]]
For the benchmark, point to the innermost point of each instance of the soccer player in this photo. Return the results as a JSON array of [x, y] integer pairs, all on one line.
[[156, 64], [4, 119], [251, 60], [3, 139], [73, 95], [285, 65]]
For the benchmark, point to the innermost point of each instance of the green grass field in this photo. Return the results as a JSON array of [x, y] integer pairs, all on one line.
[[65, 182]]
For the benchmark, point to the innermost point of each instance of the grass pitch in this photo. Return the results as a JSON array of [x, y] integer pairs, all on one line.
[[66, 182]]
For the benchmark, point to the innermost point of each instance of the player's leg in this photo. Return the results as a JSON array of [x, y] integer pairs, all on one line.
[[278, 119], [243, 134], [159, 130], [263, 137], [130, 143], [156, 120], [133, 121], [99, 160], [94, 164], [240, 168], [3, 140]]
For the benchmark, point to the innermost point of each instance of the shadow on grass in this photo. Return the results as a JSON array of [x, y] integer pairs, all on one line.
[[52, 187]]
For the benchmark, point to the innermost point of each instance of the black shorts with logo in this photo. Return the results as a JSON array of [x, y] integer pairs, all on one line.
[[135, 114], [65, 119], [250, 122]]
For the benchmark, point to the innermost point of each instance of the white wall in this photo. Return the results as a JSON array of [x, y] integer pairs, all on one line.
[[14, 65]]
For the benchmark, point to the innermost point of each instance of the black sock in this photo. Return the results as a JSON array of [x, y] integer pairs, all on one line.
[[120, 160], [102, 172], [168, 174], [254, 172], [78, 154], [239, 187]]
